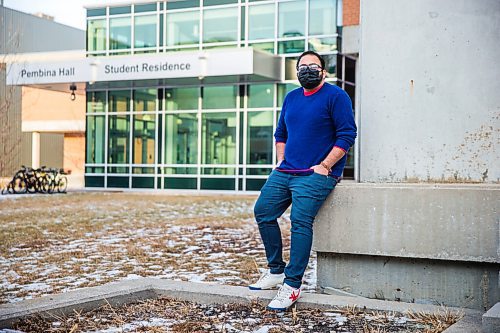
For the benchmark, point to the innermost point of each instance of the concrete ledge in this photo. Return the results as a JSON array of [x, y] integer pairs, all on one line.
[[491, 320], [133, 290], [448, 222], [428, 243]]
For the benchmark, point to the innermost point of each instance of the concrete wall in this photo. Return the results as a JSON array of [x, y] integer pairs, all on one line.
[[412, 242], [20, 32], [430, 101]]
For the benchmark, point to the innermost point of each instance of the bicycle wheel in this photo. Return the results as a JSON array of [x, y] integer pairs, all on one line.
[[19, 185], [62, 184], [31, 184], [51, 183], [43, 184]]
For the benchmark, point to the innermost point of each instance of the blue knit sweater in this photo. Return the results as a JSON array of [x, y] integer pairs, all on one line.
[[312, 125]]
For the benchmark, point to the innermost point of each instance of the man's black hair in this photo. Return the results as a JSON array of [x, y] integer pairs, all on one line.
[[322, 61]]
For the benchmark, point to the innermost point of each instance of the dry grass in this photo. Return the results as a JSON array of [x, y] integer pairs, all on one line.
[[54, 243], [170, 315]]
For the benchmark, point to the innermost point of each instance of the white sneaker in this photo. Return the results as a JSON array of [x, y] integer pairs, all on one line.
[[267, 281], [285, 297]]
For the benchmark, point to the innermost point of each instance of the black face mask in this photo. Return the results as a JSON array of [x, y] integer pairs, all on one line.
[[309, 78]]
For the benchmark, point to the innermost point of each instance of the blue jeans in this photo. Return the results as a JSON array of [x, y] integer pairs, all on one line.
[[306, 194]]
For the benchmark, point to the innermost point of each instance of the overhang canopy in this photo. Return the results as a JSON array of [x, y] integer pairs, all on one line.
[[179, 68]]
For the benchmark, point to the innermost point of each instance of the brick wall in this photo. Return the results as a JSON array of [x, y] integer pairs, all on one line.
[[350, 12]]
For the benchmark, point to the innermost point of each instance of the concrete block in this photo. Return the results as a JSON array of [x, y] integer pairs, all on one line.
[[491, 320], [350, 39], [474, 285], [448, 222]]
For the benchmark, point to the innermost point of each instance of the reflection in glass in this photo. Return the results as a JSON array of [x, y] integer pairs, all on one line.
[[284, 89], [180, 171], [145, 99], [145, 31], [260, 137], [119, 33], [291, 46], [220, 25], [144, 139], [119, 100], [323, 44], [219, 97], [96, 35], [95, 139], [261, 22], [181, 98], [118, 138], [322, 17], [331, 65], [181, 138], [183, 28], [219, 138], [291, 19], [260, 95], [266, 46], [96, 101], [218, 171]]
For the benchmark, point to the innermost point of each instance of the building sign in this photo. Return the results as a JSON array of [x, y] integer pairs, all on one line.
[[104, 69], [196, 64]]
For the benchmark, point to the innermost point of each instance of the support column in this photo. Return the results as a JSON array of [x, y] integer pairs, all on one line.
[[35, 150]]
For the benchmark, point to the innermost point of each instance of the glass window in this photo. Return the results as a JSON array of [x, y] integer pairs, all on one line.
[[219, 138], [291, 46], [119, 10], [96, 35], [145, 100], [220, 25], [144, 139], [96, 101], [94, 181], [218, 2], [260, 95], [331, 65], [119, 37], [183, 4], [181, 98], [217, 184], [183, 28], [150, 7], [118, 139], [291, 19], [284, 89], [219, 97], [322, 17], [181, 138], [323, 44], [95, 139], [145, 31], [261, 22], [260, 137], [96, 12], [180, 171], [267, 46], [122, 182], [119, 100]]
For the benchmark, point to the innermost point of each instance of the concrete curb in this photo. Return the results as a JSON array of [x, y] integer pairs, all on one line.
[[127, 291]]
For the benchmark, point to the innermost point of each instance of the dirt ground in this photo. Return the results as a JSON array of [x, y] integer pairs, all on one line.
[[54, 243]]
